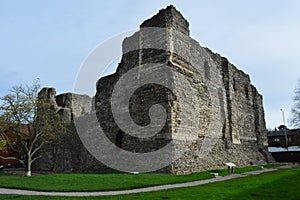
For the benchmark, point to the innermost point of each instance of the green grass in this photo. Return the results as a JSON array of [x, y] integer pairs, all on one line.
[[94, 182], [281, 184], [104, 182]]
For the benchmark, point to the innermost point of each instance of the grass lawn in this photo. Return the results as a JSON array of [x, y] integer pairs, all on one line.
[[281, 184], [104, 182], [94, 182]]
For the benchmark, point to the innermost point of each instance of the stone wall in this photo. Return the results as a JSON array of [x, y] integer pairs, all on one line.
[[67, 153], [230, 126], [230, 106]]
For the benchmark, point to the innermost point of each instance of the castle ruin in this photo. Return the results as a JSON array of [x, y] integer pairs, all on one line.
[[225, 115]]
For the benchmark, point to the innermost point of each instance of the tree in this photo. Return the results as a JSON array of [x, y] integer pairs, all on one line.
[[27, 124], [3, 143], [295, 121]]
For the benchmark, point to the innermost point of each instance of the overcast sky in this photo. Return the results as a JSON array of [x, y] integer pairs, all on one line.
[[50, 40]]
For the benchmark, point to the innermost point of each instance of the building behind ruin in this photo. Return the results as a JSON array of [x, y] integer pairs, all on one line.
[[284, 144], [231, 116]]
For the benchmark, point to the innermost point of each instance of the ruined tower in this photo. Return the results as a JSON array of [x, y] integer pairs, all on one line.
[[230, 117], [211, 111]]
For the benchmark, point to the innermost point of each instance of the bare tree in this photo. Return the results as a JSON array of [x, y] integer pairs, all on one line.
[[295, 120], [27, 123]]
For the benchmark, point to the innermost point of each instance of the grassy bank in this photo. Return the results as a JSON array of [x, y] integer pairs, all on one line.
[[105, 182], [281, 184]]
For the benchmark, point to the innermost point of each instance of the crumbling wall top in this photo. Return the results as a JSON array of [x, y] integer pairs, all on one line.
[[168, 18]]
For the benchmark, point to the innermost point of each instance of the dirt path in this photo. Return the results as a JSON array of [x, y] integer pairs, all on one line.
[[147, 189]]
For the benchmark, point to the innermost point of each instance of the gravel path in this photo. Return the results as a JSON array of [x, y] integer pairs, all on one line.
[[147, 189]]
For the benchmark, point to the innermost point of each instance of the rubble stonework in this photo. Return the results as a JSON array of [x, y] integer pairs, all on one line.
[[243, 134], [227, 102], [67, 153]]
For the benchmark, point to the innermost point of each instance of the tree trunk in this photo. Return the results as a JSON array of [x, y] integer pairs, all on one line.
[[29, 162], [28, 173]]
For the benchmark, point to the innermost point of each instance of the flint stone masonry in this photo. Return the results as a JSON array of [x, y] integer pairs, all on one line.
[[231, 114], [67, 153], [226, 99]]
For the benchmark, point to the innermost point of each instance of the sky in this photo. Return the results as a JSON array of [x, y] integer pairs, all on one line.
[[50, 40]]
